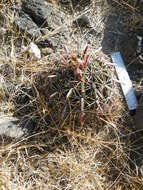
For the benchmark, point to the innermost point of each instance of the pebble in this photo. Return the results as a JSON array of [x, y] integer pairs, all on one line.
[[34, 51], [12, 127]]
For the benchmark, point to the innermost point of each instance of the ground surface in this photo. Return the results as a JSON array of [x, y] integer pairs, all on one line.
[[80, 135]]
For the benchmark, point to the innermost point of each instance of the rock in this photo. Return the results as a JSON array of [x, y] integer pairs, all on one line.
[[26, 24], [8, 127], [34, 51], [8, 88], [23, 94], [12, 127], [6, 70], [83, 21], [27, 125], [43, 13], [37, 18], [51, 42]]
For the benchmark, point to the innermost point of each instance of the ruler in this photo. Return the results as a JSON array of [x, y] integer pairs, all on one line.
[[125, 81]]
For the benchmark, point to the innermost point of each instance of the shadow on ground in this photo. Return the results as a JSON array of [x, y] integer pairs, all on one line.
[[120, 34]]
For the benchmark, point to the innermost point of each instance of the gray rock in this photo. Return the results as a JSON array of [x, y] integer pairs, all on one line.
[[23, 94], [26, 24], [37, 17], [51, 42], [43, 13], [12, 127], [8, 127], [83, 21], [6, 69], [27, 125]]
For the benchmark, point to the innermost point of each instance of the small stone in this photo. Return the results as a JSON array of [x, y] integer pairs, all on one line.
[[83, 21], [27, 125], [51, 42], [9, 127], [22, 95], [6, 69], [34, 51], [13, 128]]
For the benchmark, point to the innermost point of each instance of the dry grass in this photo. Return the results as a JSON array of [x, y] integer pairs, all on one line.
[[81, 140]]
